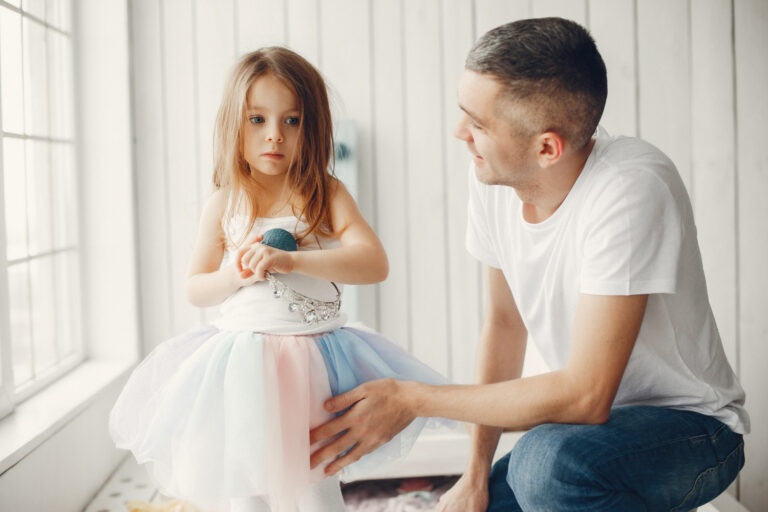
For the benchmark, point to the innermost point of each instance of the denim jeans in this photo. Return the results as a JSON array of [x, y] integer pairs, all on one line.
[[642, 459]]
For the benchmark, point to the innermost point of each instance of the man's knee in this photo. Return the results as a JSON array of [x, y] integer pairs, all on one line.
[[532, 460], [548, 458]]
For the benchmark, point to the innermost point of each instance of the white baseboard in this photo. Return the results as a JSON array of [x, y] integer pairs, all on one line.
[[65, 471]]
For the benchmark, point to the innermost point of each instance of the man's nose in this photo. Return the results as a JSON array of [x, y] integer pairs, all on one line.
[[460, 131]]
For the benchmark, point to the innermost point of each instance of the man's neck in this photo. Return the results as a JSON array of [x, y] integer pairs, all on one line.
[[543, 198]]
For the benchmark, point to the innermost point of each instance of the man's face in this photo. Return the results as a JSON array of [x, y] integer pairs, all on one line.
[[502, 156]]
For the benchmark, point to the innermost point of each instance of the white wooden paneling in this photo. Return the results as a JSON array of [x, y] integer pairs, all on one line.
[[346, 60], [492, 13], [612, 24], [390, 167], [149, 160], [181, 167], [259, 23], [426, 184], [664, 80], [575, 10], [394, 66], [713, 158], [215, 56], [463, 269], [303, 32], [751, 20]]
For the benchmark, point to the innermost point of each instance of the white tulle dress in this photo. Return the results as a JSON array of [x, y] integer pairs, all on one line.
[[225, 411]]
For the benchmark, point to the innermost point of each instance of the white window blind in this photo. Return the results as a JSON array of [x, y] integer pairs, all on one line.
[[40, 306]]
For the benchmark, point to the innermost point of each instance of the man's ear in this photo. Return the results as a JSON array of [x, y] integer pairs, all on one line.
[[549, 149]]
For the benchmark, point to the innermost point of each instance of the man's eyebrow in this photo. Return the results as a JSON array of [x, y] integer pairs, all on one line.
[[471, 114]]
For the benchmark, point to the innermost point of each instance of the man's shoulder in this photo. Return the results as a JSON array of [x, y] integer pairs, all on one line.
[[630, 152], [629, 162]]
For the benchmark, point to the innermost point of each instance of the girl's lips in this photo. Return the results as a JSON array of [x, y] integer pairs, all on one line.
[[272, 155]]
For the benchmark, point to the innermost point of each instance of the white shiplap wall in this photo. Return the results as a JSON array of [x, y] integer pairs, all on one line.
[[687, 76]]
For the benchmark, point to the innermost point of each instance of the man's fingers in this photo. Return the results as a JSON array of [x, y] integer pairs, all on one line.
[[352, 456], [331, 450], [344, 401], [328, 430]]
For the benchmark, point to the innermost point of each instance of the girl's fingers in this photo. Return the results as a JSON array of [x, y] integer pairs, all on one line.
[[239, 258], [251, 258], [262, 267]]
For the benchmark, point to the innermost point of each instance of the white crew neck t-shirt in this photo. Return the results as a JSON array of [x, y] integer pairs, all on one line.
[[625, 228]]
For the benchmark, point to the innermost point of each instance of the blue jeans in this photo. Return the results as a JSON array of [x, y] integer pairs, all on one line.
[[642, 459]]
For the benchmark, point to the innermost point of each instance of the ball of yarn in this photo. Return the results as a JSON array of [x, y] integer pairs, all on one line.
[[279, 239]]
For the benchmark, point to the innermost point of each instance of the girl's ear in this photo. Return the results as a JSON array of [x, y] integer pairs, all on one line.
[[549, 149]]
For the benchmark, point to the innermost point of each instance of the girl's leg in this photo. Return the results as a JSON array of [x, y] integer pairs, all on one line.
[[251, 504], [324, 496]]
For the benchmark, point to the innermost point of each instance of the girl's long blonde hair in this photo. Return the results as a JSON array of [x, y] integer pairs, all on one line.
[[309, 174]]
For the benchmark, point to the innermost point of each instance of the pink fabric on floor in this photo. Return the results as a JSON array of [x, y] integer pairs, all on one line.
[[293, 365]]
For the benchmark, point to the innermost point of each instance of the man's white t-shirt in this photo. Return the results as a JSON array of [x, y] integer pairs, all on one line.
[[625, 228]]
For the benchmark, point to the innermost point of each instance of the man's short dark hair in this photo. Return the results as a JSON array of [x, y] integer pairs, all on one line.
[[551, 66]]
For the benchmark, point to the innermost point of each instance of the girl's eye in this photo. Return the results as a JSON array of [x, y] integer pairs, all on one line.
[[256, 119], [292, 121]]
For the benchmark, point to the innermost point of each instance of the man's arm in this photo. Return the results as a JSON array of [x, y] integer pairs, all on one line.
[[500, 357], [604, 333]]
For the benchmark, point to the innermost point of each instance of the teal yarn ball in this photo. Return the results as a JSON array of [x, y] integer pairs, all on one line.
[[279, 239]]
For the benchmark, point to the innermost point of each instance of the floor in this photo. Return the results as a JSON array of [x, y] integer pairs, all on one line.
[[130, 483]]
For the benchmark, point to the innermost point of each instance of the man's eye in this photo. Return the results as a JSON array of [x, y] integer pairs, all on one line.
[[256, 119], [292, 121]]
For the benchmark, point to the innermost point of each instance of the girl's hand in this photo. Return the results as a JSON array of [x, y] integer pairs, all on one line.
[[239, 276], [254, 259], [468, 494]]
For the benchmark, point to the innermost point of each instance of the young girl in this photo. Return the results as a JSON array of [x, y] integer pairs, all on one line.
[[221, 416]]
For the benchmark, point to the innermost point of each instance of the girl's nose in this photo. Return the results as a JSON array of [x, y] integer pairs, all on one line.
[[274, 135]]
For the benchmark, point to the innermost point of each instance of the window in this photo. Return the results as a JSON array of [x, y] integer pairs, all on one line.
[[40, 305]]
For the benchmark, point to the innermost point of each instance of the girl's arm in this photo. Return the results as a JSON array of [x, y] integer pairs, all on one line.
[[360, 259], [207, 284]]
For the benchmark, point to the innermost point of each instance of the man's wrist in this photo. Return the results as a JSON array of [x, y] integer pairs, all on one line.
[[478, 470], [412, 394]]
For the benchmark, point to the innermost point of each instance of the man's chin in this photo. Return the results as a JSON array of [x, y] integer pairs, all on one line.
[[484, 175]]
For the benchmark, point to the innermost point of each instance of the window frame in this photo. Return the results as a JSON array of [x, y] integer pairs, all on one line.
[[10, 394]]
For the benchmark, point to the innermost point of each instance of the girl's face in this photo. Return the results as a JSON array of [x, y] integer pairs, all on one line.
[[270, 129]]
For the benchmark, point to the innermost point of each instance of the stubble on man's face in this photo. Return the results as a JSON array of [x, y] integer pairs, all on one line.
[[495, 132]]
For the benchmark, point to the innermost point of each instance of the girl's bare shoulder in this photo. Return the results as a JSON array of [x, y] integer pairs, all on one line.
[[215, 206]]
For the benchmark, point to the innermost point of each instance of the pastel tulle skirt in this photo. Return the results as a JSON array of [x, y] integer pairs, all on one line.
[[220, 414]]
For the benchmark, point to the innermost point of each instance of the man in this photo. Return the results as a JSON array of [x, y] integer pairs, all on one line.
[[590, 251]]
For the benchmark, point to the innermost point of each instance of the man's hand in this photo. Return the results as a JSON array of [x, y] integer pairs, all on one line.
[[468, 494], [378, 410]]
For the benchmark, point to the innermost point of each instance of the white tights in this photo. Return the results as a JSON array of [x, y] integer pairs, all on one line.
[[324, 496]]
